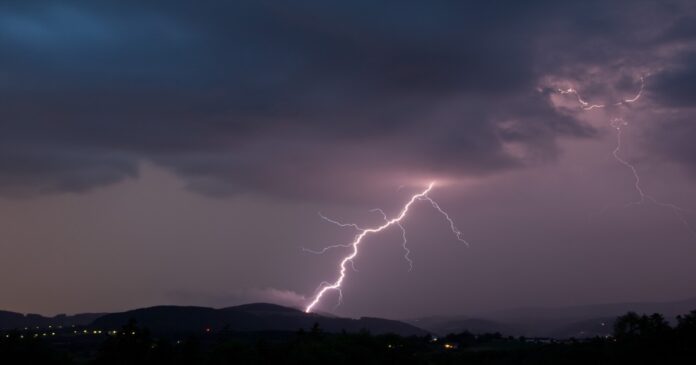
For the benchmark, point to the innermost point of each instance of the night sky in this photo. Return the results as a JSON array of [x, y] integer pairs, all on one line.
[[168, 152]]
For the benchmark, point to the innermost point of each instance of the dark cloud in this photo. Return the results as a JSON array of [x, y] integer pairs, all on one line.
[[28, 169], [674, 91], [264, 96], [676, 86]]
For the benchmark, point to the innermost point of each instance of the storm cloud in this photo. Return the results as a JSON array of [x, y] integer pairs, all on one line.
[[252, 96]]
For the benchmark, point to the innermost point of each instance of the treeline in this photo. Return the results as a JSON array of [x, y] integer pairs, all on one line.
[[637, 339]]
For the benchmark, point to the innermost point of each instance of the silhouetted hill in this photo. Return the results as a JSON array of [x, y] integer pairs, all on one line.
[[583, 312], [595, 327], [10, 320], [558, 322], [561, 322], [247, 318], [443, 325], [263, 308]]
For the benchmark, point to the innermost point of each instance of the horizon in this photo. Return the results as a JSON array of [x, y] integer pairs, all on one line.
[[491, 315]]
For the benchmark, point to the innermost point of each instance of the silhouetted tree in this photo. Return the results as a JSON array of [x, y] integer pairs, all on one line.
[[627, 326], [686, 332], [632, 326], [686, 324]]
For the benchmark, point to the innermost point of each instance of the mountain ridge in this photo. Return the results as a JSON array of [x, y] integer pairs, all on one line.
[[558, 322], [252, 317]]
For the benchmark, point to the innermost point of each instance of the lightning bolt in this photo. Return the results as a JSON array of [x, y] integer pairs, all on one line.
[[325, 287], [583, 104], [618, 124], [404, 242]]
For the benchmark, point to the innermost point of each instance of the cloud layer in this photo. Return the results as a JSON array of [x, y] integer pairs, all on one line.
[[297, 99]]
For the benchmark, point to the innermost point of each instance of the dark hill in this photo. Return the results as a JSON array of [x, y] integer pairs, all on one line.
[[246, 318], [447, 325], [264, 308], [580, 321], [11, 320]]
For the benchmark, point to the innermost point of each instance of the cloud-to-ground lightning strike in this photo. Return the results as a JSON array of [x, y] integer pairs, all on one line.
[[324, 287], [404, 242], [617, 124]]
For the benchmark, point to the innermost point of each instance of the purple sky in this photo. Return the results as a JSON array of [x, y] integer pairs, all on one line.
[[163, 153]]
